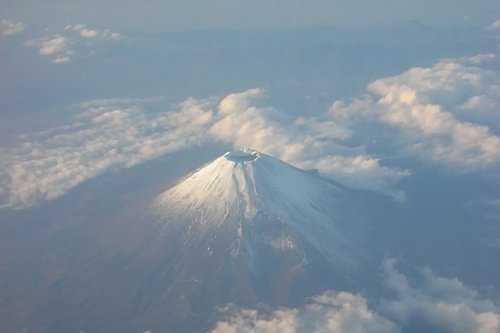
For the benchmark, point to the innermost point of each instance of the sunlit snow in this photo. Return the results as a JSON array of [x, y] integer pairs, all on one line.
[[246, 194]]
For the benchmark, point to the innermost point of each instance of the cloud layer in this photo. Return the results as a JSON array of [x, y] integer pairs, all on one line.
[[447, 114], [441, 304], [308, 143], [108, 134]]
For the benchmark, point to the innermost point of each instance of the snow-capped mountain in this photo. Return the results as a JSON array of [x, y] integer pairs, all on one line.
[[246, 229], [262, 208]]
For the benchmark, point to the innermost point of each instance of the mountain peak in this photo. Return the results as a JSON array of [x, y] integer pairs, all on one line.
[[255, 202], [242, 155]]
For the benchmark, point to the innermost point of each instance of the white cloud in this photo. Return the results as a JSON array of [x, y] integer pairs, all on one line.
[[52, 46], [475, 60], [447, 113], [117, 133], [57, 46], [61, 60], [308, 143], [330, 312], [9, 28], [105, 135], [76, 27], [109, 35], [494, 25], [444, 304], [87, 33]]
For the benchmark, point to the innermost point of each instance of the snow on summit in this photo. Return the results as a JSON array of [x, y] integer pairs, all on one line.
[[254, 201]]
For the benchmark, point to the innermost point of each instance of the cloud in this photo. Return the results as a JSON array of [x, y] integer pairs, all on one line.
[[76, 27], [447, 114], [63, 59], [308, 143], [106, 134], [489, 208], [59, 46], [52, 46], [56, 46], [109, 35], [494, 25], [445, 305], [9, 28], [109, 134], [330, 312], [86, 33], [475, 60]]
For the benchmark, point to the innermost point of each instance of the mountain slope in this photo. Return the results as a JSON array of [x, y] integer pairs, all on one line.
[[245, 229], [262, 206]]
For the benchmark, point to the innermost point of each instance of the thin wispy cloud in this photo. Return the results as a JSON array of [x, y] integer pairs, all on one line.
[[330, 312], [8, 28], [61, 46], [90, 34], [56, 46], [494, 28], [476, 60], [494, 25]]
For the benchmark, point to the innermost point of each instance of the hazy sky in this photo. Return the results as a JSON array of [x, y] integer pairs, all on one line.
[[163, 15], [96, 116]]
